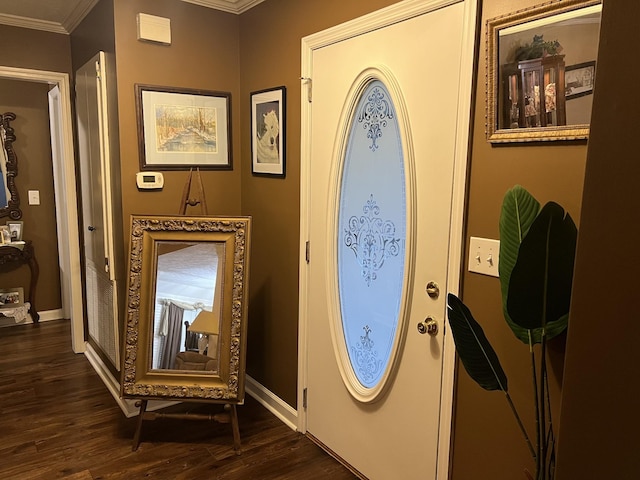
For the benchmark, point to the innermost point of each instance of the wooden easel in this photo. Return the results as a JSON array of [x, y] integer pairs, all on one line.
[[192, 195], [230, 415]]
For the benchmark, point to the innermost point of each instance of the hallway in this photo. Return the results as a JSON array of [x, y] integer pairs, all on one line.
[[58, 420]]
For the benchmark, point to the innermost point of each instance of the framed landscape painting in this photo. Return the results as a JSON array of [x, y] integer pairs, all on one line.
[[180, 128]]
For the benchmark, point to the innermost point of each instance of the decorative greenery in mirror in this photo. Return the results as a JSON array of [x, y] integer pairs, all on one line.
[[187, 308], [9, 200], [541, 71]]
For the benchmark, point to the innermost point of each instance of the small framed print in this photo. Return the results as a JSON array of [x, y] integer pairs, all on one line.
[[15, 230], [268, 110]]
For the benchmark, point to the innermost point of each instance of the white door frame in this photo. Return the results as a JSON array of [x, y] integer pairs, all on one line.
[[379, 19], [65, 193]]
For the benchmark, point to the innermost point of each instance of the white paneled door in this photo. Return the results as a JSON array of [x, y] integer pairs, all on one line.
[[383, 185], [98, 165]]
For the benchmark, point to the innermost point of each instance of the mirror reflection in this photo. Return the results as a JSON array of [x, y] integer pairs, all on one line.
[[541, 71], [535, 58], [188, 306]]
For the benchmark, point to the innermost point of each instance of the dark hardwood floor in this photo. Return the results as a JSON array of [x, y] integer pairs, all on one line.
[[58, 420]]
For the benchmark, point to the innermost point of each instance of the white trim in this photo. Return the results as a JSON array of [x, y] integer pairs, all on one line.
[[66, 189], [49, 315], [278, 407], [230, 6], [128, 406], [46, 316], [393, 14], [456, 232]]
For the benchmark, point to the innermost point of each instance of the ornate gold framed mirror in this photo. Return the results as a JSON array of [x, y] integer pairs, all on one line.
[[187, 308], [541, 67]]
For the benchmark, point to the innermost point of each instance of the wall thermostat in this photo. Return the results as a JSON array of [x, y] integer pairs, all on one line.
[[150, 180]]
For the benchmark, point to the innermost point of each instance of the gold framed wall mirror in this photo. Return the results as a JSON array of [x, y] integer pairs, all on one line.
[[187, 309], [541, 65]]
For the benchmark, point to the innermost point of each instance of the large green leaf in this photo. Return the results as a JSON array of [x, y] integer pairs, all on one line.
[[541, 279], [478, 357], [519, 210]]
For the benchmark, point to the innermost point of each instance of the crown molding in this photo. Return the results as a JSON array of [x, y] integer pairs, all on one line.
[[76, 16], [23, 22], [65, 27], [84, 7], [231, 6]]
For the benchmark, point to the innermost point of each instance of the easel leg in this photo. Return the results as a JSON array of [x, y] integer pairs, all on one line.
[[236, 429], [136, 437]]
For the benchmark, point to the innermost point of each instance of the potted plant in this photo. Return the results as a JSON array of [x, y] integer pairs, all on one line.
[[537, 252]]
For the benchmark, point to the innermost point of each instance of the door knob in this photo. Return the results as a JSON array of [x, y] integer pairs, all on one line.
[[428, 325], [90, 228]]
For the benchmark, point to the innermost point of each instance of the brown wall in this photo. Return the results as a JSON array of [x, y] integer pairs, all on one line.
[[95, 32], [487, 442], [204, 54], [36, 50], [600, 419]]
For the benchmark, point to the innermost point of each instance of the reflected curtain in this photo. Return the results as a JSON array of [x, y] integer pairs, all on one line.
[[172, 341]]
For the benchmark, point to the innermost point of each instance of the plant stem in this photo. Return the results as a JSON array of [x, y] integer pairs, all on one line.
[[543, 383], [534, 378], [524, 432]]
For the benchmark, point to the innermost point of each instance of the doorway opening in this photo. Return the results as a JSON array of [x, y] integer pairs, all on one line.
[[64, 177]]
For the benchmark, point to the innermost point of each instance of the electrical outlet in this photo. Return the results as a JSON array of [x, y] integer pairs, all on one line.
[[484, 255]]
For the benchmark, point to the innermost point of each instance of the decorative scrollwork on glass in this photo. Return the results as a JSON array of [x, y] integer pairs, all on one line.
[[374, 114], [365, 357], [372, 240]]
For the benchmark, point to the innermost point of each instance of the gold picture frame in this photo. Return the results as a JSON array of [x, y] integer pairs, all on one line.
[[526, 54], [150, 235]]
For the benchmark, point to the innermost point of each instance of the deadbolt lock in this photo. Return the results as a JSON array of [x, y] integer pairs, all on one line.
[[428, 325], [433, 290]]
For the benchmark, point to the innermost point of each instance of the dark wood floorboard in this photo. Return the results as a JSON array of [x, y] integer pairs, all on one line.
[[58, 420]]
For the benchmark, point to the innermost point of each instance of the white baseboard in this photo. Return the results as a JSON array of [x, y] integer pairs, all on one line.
[[45, 316], [278, 407], [49, 315], [285, 412], [127, 406]]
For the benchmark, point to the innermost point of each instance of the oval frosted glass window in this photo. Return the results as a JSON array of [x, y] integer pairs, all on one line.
[[372, 217]]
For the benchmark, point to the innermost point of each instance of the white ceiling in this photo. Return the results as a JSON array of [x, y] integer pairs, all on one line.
[[62, 16]]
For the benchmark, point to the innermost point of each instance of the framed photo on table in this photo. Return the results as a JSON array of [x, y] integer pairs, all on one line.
[[10, 297], [15, 230], [268, 110], [181, 128]]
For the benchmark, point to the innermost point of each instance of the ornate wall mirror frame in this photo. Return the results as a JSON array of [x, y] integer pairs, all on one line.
[[9, 200], [541, 72], [187, 308]]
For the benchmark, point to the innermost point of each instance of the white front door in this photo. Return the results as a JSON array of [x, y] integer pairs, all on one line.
[[382, 211]]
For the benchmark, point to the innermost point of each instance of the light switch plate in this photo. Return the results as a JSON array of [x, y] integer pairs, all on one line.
[[34, 197], [484, 255]]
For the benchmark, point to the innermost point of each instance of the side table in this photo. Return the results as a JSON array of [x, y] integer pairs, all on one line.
[[17, 255]]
